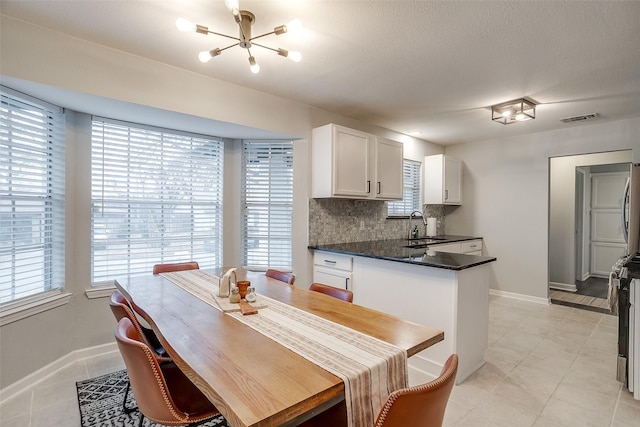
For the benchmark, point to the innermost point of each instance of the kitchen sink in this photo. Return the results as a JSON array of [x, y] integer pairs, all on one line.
[[417, 245], [423, 242]]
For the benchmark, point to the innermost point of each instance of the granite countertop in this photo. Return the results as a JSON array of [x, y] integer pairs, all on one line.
[[395, 250]]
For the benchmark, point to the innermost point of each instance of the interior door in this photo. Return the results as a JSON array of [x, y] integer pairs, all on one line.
[[607, 240]]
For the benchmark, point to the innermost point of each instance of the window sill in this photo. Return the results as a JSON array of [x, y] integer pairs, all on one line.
[[15, 311], [100, 292]]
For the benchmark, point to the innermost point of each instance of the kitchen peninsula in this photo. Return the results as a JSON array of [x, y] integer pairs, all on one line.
[[415, 281]]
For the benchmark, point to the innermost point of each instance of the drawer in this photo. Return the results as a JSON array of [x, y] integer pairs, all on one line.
[[446, 247], [472, 246], [338, 261], [333, 277]]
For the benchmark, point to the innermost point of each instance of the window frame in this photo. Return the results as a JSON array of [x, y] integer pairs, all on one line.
[[411, 169], [35, 172], [277, 212], [179, 211]]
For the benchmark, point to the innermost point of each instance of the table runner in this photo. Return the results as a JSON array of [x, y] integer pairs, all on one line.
[[370, 368], [204, 286]]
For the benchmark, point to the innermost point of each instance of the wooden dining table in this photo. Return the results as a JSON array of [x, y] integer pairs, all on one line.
[[251, 379]]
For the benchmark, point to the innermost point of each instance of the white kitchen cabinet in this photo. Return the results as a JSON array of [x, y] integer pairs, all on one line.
[[456, 302], [348, 163], [447, 247], [442, 180], [469, 247], [388, 169], [333, 270], [472, 247]]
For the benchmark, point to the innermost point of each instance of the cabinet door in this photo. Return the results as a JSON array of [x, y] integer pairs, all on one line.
[[351, 162], [452, 181], [333, 277], [388, 169]]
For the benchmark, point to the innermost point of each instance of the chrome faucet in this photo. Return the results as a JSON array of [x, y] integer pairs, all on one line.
[[424, 221]]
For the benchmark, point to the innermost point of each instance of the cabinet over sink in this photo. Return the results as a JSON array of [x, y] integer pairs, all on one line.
[[445, 290]]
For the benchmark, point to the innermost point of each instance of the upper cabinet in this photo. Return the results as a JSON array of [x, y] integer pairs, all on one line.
[[347, 163], [442, 180]]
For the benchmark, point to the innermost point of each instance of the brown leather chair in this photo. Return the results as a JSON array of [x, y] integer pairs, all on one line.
[[339, 293], [177, 266], [164, 394], [281, 275], [122, 310], [423, 405]]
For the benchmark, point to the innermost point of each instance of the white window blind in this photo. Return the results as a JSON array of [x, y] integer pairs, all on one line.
[[267, 200], [156, 197], [32, 169], [411, 192]]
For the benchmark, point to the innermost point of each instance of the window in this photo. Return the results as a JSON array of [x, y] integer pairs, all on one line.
[[32, 183], [267, 201], [411, 193], [156, 196]]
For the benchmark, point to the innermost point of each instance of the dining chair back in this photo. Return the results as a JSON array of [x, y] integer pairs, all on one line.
[[423, 405], [281, 276], [343, 294], [121, 308], [163, 393], [176, 266]]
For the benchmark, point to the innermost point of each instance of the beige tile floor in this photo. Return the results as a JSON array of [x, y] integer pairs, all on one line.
[[547, 366]]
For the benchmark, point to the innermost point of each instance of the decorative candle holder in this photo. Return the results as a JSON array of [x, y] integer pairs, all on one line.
[[242, 286]]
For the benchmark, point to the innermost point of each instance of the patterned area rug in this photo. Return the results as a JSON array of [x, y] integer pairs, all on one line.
[[100, 401]]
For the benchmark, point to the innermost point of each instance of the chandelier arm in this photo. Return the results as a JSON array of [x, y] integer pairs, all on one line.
[[222, 35], [229, 47], [265, 47], [262, 35]]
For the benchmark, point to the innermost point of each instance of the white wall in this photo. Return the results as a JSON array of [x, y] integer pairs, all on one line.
[[506, 196]]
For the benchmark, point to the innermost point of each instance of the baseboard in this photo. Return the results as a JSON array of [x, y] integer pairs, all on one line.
[[424, 366], [563, 286], [520, 297], [53, 367], [418, 376]]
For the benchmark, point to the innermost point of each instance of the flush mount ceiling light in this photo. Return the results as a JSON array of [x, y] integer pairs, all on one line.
[[518, 110], [245, 20]]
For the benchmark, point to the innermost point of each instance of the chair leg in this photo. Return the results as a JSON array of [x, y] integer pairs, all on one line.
[[124, 402]]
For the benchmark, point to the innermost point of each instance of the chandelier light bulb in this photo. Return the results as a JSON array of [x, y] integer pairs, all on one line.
[[506, 113], [233, 6], [294, 26], [185, 25], [520, 116], [204, 56], [253, 65], [295, 56]]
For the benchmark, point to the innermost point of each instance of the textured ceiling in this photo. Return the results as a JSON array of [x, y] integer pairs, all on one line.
[[430, 66]]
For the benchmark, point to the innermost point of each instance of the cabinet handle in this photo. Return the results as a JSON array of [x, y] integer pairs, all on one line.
[[379, 187], [473, 246], [446, 194], [346, 283], [328, 261], [368, 186]]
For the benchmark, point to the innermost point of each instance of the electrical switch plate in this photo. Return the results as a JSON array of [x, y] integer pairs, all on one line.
[[361, 225]]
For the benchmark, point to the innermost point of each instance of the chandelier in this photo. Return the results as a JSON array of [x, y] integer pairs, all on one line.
[[518, 110], [245, 40]]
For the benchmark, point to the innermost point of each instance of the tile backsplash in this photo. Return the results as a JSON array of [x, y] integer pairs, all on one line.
[[345, 221]]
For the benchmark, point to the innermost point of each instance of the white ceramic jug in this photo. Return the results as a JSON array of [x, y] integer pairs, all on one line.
[[225, 283]]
